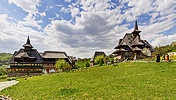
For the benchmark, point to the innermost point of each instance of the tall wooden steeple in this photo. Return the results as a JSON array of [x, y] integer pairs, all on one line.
[[136, 31], [28, 44]]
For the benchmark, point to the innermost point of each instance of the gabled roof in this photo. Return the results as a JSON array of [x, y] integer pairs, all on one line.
[[137, 41], [136, 49], [124, 49], [54, 54], [49, 56], [27, 52], [97, 53], [126, 41], [148, 45], [22, 53], [122, 44]]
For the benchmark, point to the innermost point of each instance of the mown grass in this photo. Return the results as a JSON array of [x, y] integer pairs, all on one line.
[[125, 81]]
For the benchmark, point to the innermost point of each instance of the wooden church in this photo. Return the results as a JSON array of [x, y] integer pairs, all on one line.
[[26, 61], [132, 47]]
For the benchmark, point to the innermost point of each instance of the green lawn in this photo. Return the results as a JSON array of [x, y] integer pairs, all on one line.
[[156, 81]]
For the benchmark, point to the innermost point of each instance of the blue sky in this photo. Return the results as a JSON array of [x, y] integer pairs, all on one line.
[[81, 27]]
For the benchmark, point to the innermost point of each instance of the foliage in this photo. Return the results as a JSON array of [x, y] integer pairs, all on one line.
[[81, 63], [3, 77], [63, 65], [87, 64], [100, 60], [3, 71], [11, 78], [4, 58], [174, 57], [163, 50], [109, 59], [127, 81]]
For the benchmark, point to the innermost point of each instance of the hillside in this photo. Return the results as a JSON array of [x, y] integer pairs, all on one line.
[[165, 49], [4, 58], [124, 81]]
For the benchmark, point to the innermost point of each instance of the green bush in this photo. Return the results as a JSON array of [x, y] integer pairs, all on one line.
[[63, 65], [3, 71], [87, 64], [3, 77], [4, 58], [99, 60], [11, 78], [81, 63]]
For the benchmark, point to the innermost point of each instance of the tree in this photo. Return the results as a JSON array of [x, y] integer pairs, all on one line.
[[63, 65], [3, 71], [87, 64], [81, 63], [99, 60]]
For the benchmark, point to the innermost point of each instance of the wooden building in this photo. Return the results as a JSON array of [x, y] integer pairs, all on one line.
[[133, 47], [50, 58], [97, 53], [26, 61]]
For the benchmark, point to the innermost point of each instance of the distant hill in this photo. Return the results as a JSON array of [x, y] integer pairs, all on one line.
[[165, 49], [4, 58]]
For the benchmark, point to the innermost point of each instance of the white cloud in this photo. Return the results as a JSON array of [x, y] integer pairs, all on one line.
[[30, 21], [74, 12], [43, 14], [27, 5], [67, 0], [98, 26], [164, 40], [30, 6], [164, 5], [13, 36], [3, 21], [93, 30]]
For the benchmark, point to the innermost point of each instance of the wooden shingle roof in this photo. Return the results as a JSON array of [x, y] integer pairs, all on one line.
[[22, 53], [97, 53], [132, 42], [54, 54], [28, 53]]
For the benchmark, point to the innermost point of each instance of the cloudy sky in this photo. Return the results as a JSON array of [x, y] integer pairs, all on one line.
[[81, 27]]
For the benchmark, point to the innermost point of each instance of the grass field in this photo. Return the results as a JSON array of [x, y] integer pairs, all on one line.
[[156, 81]]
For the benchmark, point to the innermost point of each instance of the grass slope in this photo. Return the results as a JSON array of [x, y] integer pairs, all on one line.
[[124, 81]]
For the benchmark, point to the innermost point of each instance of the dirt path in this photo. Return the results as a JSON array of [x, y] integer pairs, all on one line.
[[6, 84]]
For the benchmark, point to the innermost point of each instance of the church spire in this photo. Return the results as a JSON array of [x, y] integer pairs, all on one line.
[[28, 40], [136, 26], [28, 44], [136, 31]]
